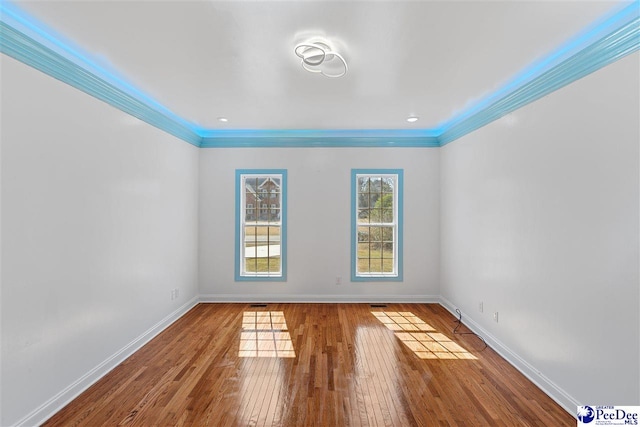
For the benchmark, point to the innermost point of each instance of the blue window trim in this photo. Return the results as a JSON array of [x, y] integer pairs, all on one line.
[[354, 209], [283, 229]]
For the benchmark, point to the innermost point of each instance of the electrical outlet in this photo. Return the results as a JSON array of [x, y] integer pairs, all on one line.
[[495, 316], [480, 307], [338, 280], [177, 293], [172, 294]]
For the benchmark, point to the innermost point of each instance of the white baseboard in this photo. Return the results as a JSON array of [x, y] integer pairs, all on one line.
[[545, 384], [258, 298], [57, 402], [60, 400]]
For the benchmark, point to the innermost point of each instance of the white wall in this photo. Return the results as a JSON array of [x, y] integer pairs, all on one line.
[[536, 215], [1, 339], [539, 220], [99, 222], [319, 194]]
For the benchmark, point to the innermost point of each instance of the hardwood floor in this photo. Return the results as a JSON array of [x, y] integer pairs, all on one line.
[[314, 365]]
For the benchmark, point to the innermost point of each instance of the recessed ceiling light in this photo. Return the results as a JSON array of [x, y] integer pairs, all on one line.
[[412, 119], [223, 119]]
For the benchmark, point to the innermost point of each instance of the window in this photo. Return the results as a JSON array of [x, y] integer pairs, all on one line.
[[261, 231], [376, 229]]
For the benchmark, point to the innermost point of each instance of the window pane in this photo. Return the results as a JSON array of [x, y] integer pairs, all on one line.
[[363, 234], [375, 265], [272, 197], [251, 264], [250, 232], [363, 200], [363, 250], [260, 224], [376, 215], [375, 234], [387, 265], [250, 215], [363, 184], [376, 204], [388, 249], [363, 265], [387, 234], [388, 185], [373, 198]]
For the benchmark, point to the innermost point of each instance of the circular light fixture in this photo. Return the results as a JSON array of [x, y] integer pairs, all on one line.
[[412, 119], [317, 56], [223, 119]]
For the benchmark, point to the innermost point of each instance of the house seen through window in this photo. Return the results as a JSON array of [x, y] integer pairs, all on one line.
[[260, 228]]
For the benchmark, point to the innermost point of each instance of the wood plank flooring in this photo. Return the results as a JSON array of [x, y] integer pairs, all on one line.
[[314, 365]]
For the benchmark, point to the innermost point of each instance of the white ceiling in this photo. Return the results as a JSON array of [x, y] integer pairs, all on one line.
[[207, 59]]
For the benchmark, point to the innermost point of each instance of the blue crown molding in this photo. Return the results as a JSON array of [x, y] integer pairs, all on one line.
[[318, 138], [613, 38], [23, 41], [607, 42]]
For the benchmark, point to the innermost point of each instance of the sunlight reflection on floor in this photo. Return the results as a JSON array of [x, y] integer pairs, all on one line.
[[265, 334], [420, 337]]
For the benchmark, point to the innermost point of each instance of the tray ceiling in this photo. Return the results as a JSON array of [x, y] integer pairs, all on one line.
[[209, 59]]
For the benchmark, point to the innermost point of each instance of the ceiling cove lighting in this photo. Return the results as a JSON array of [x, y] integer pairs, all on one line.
[[25, 39], [318, 56], [607, 40]]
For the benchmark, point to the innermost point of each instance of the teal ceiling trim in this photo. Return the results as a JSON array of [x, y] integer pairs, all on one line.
[[27, 43], [610, 39], [294, 142], [318, 138], [614, 38]]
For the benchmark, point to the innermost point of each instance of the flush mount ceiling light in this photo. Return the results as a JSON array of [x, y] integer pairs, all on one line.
[[318, 56], [412, 119]]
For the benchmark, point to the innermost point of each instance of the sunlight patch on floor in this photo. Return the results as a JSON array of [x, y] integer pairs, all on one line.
[[420, 337], [265, 334]]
